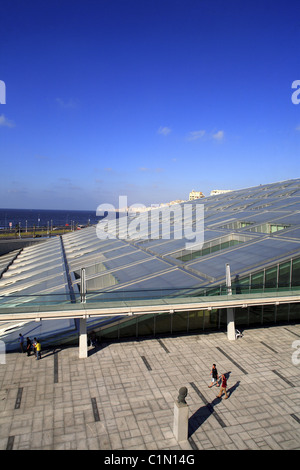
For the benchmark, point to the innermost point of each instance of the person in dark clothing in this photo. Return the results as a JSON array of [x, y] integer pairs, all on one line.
[[214, 376], [28, 346], [237, 284]]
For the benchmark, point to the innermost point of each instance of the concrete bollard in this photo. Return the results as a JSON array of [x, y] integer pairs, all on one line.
[[181, 416]]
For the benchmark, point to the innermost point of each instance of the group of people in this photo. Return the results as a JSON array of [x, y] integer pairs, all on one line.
[[34, 346], [215, 381]]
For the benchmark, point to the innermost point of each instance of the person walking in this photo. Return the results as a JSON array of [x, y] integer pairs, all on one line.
[[214, 376], [21, 341], [38, 348], [223, 387], [28, 346]]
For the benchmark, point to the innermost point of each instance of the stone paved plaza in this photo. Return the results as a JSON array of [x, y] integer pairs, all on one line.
[[122, 396]]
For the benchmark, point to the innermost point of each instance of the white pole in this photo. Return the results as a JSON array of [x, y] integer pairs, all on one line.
[[83, 352], [83, 286], [228, 279], [230, 311]]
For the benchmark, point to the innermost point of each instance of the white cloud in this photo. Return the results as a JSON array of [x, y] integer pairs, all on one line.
[[218, 135], [151, 170], [66, 104], [205, 135], [164, 130], [195, 135], [4, 122], [298, 128]]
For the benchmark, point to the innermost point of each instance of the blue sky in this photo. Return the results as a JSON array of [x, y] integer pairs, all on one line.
[[145, 98]]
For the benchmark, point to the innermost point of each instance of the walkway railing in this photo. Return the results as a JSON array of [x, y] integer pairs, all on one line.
[[101, 303], [100, 296]]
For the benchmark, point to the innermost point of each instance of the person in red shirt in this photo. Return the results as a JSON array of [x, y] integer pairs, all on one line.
[[223, 387]]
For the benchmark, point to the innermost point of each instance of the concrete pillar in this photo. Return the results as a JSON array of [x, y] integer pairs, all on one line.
[[83, 352], [230, 324], [181, 421]]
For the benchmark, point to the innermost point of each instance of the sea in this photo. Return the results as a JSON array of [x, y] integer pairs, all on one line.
[[45, 217]]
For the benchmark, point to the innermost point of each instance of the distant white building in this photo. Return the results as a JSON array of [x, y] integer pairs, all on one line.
[[195, 195], [142, 208], [214, 192]]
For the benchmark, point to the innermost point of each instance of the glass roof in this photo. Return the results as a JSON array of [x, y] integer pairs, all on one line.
[[150, 261]]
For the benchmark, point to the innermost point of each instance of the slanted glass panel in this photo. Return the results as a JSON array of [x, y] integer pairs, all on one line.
[[210, 247], [296, 272], [163, 323], [217, 290], [101, 282], [223, 318], [211, 319], [188, 256], [282, 313], [214, 248], [204, 252], [145, 325], [245, 285], [268, 314], [240, 286], [284, 274], [294, 312], [271, 278], [128, 328], [196, 320], [257, 281], [255, 315], [293, 233], [241, 316], [110, 333], [179, 321], [225, 245]]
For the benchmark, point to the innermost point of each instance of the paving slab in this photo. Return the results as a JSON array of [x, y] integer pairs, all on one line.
[[121, 397]]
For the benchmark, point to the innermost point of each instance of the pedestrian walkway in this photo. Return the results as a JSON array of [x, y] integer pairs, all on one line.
[[122, 396]]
